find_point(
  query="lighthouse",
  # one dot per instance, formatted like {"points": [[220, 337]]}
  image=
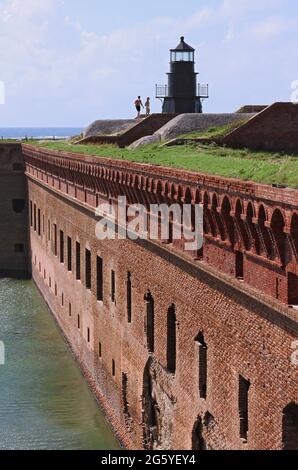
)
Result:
{"points": [[182, 94]]}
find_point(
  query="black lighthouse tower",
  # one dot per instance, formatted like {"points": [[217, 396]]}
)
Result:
{"points": [[182, 94]]}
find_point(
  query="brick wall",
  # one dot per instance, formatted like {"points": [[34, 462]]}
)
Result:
{"points": [[243, 337], [274, 129], [14, 212], [246, 333]]}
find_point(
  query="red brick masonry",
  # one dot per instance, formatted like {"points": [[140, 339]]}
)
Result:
{"points": [[189, 350]]}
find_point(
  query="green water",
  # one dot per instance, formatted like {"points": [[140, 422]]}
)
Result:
{"points": [[45, 402]]}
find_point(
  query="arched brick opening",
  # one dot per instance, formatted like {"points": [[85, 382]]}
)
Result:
{"points": [[202, 351], [149, 301], [208, 222], [220, 229], [228, 220], [290, 427], [294, 234], [254, 238], [171, 339], [198, 442], [244, 238], [264, 233], [277, 225]]}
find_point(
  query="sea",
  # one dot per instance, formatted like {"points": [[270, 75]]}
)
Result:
{"points": [[19, 133]]}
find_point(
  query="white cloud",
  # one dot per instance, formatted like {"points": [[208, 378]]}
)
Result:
{"points": [[270, 27], [57, 71]]}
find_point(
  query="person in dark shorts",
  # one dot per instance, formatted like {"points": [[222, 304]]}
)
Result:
{"points": [[138, 105]]}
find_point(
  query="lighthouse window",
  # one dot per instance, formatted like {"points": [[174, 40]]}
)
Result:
{"points": [[179, 56]]}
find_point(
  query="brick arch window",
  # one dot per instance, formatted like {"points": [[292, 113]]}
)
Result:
{"points": [[277, 225], [202, 362], [241, 226], [254, 237], [290, 427], [228, 220], [171, 339], [149, 321], [294, 234], [220, 229], [266, 240]]}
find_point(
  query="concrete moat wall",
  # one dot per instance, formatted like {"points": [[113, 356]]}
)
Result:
{"points": [[181, 354]]}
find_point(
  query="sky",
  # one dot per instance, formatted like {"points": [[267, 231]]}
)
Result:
{"points": [[69, 62]]}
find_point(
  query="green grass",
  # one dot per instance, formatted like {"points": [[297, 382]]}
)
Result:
{"points": [[262, 167], [213, 132]]}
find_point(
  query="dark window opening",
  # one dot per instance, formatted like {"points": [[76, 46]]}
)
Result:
{"points": [[99, 350], [88, 335], [113, 368], [61, 246], [78, 261], [202, 366], [69, 254], [62, 299], [49, 230], [198, 442], [31, 214], [17, 167], [79, 322], [34, 218], [277, 288], [129, 298], [88, 269], [69, 309], [171, 339], [56, 290], [18, 205], [149, 321], [39, 222], [99, 276], [290, 427], [113, 286], [55, 247], [292, 289], [19, 248], [43, 224], [239, 265], [244, 386]]}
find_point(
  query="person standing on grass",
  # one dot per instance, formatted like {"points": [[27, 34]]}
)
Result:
{"points": [[138, 105], [148, 106]]}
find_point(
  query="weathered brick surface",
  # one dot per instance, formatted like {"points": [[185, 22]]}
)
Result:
{"points": [[275, 129], [256, 220], [246, 332]]}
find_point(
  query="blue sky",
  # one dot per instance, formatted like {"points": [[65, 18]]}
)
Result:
{"points": [[66, 63]]}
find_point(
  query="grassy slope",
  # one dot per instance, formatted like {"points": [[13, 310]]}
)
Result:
{"points": [[215, 131], [263, 167]]}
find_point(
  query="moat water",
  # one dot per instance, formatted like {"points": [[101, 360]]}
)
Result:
{"points": [[45, 403]]}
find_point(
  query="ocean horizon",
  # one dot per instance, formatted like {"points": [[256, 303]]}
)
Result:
{"points": [[39, 132]]}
